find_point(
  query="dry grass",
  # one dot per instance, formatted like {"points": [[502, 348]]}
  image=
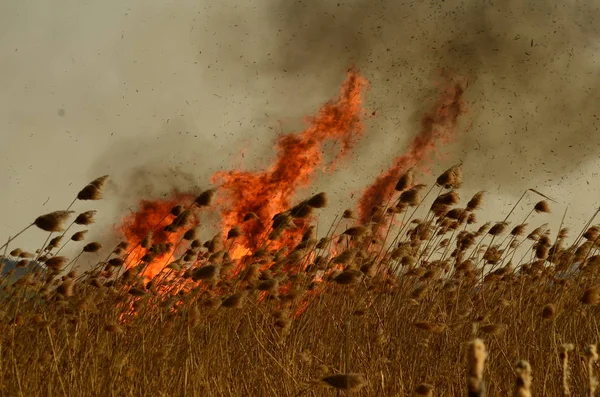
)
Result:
{"points": [[438, 306]]}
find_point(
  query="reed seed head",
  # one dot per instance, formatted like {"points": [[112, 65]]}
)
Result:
{"points": [[146, 242], [90, 192], [542, 207], [53, 222], [475, 202], [498, 228], [116, 262], [523, 382], [56, 262], [85, 218], [318, 200], [348, 214], [348, 277], [92, 247], [563, 354], [190, 234], [113, 328], [424, 389], [405, 181], [100, 181], [592, 233], [54, 242], [429, 326], [451, 178], [66, 287], [78, 236], [492, 329], [410, 197], [549, 311], [234, 232], [349, 382], [591, 355], [234, 301], [176, 210], [356, 231], [205, 273], [591, 296], [205, 198], [476, 356]]}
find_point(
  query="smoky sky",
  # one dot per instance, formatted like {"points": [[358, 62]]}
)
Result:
{"points": [[530, 66], [160, 95]]}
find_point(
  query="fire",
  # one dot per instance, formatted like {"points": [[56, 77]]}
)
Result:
{"points": [[249, 202], [238, 252], [150, 220], [270, 192], [264, 194], [439, 123]]}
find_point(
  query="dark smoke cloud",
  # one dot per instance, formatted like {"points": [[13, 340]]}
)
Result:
{"points": [[532, 92], [160, 95], [161, 163], [531, 66]]}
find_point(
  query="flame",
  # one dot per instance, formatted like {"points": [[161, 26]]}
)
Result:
{"points": [[152, 217], [269, 192], [438, 124], [264, 193], [238, 252]]}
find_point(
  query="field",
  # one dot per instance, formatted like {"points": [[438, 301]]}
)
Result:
{"points": [[292, 198], [433, 306]]}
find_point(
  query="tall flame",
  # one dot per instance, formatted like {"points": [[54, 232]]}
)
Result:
{"points": [[439, 123], [269, 192], [150, 219]]}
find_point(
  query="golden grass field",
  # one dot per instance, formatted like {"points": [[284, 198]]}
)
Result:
{"points": [[400, 306]]}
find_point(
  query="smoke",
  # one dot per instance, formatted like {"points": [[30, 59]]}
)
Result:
{"points": [[161, 95], [530, 67], [530, 64]]}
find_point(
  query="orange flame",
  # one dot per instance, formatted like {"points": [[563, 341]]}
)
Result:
{"points": [[263, 193], [439, 123], [152, 217], [269, 192]]}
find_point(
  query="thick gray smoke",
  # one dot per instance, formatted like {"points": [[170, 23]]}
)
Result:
{"points": [[161, 95], [530, 66]]}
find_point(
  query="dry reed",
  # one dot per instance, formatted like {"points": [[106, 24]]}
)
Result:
{"points": [[296, 313]]}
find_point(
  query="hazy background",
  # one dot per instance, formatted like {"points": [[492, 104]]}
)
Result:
{"points": [[161, 94]]}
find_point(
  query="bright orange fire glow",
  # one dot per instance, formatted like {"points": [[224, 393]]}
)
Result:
{"points": [[439, 123], [269, 192], [152, 217], [238, 252]]}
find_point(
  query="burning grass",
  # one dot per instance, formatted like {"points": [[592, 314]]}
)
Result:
{"points": [[386, 303], [371, 309]]}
